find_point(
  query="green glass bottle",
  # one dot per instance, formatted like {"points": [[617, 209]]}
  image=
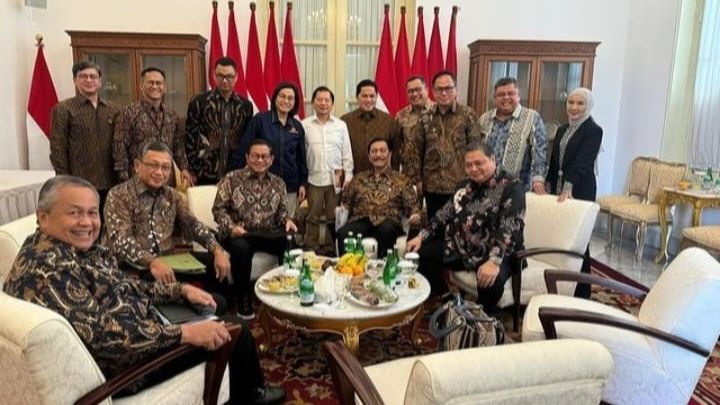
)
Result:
{"points": [[287, 259], [306, 286], [359, 248], [389, 270]]}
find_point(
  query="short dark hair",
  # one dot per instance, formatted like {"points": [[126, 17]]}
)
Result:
{"points": [[321, 89], [152, 69], [281, 86], [416, 77], [48, 191], [365, 83], [262, 142], [505, 81], [85, 64], [376, 140], [479, 146], [153, 145], [444, 73], [225, 61]]}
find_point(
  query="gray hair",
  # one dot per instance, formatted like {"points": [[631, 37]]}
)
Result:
{"points": [[48, 191], [153, 145], [479, 146]]}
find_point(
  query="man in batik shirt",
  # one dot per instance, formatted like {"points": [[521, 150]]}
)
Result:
{"points": [[378, 199], [407, 118]]}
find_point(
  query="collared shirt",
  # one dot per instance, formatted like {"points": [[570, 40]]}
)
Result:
{"points": [[139, 122], [404, 129], [251, 201], [482, 220], [109, 310], [436, 152], [388, 195], [328, 148], [530, 151], [364, 126], [139, 222], [81, 140], [214, 128], [288, 142]]}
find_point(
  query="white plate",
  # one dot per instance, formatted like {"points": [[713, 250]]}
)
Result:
{"points": [[264, 288], [382, 304]]}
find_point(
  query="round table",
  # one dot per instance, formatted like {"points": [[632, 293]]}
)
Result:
{"points": [[350, 321]]}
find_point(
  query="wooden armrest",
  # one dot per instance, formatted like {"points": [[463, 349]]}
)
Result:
{"points": [[553, 276], [217, 361], [550, 315], [525, 253], [349, 377]]}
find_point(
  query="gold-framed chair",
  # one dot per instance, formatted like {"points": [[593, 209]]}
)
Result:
{"points": [[705, 236]]}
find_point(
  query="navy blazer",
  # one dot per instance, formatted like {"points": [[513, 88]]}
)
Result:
{"points": [[579, 161]]}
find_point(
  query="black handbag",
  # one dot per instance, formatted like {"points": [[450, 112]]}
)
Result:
{"points": [[458, 324]]}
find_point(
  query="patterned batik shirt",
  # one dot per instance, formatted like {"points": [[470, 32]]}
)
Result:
{"points": [[139, 222], [404, 128], [364, 126], [436, 152], [482, 220], [518, 143], [139, 122], [213, 131], [109, 310], [251, 201], [81, 140], [387, 195]]}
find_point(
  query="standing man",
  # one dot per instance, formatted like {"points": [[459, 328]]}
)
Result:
{"points": [[149, 118], [407, 118], [436, 150], [81, 137], [516, 135], [366, 123], [330, 165], [216, 122]]}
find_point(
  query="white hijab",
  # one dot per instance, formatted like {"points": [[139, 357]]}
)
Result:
{"points": [[587, 95]]}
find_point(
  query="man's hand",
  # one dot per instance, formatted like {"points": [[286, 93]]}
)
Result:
{"points": [[197, 296], [222, 264], [290, 226], [538, 187], [208, 334], [487, 273], [189, 178], [414, 219], [237, 231], [414, 244], [301, 194], [162, 272]]}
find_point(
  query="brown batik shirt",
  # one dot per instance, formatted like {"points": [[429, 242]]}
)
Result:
{"points": [[81, 140], [109, 310], [251, 201], [364, 126], [436, 152], [405, 121], [388, 195], [139, 222], [139, 122]]}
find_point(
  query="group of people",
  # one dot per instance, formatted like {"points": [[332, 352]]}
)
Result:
{"points": [[470, 171]]}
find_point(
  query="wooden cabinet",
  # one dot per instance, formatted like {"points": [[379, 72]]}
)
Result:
{"points": [[122, 56], [546, 72]]}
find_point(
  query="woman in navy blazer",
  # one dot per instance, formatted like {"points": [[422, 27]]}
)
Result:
{"points": [[572, 162]]}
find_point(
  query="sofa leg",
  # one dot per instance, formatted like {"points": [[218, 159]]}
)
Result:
{"points": [[609, 231]]}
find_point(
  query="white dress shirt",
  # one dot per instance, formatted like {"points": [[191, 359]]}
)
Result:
{"points": [[328, 148]]}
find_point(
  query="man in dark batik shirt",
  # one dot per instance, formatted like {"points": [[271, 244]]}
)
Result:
{"points": [[483, 223], [216, 121], [60, 267]]}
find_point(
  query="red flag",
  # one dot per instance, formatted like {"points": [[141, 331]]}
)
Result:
{"points": [[272, 54], [435, 57], [385, 71], [255, 84], [419, 61], [451, 58], [288, 64], [216, 50], [233, 51], [41, 100], [402, 60]]}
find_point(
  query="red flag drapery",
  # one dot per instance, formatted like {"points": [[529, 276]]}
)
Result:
{"points": [[271, 68], [41, 100], [451, 58], [288, 63], [435, 56], [402, 61], [419, 60], [385, 71], [233, 51], [254, 76], [216, 50]]}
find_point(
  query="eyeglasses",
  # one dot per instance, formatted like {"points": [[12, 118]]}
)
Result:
{"points": [[255, 156], [88, 76], [227, 78], [445, 89], [154, 166]]}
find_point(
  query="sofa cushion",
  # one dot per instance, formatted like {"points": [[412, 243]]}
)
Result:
{"points": [[607, 203], [705, 235], [185, 388], [12, 236], [390, 379]]}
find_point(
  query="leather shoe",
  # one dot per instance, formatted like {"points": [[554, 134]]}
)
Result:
{"points": [[270, 394]]}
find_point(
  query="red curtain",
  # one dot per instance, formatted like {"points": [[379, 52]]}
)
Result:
{"points": [[435, 57], [272, 55], [254, 82], [216, 50], [419, 61], [289, 65], [451, 58], [385, 71], [402, 61], [234, 53]]}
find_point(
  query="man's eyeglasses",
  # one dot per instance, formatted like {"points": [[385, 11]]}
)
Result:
{"points": [[86, 76], [255, 156], [227, 78], [445, 89], [154, 166]]}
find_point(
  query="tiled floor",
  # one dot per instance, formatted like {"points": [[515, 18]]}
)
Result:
{"points": [[621, 259]]}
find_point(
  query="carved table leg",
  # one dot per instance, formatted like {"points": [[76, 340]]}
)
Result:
{"points": [[662, 207], [351, 338], [414, 338], [264, 318]]}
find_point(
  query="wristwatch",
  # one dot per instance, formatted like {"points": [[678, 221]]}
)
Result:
{"points": [[496, 259]]}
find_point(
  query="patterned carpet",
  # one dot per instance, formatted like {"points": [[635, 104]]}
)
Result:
{"points": [[296, 359]]}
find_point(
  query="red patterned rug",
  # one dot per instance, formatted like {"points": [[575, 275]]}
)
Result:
{"points": [[297, 362]]}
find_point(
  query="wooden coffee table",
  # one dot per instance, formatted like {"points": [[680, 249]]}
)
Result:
{"points": [[349, 321]]}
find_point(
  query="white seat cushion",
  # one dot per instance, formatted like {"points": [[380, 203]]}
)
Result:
{"points": [[184, 388], [12, 236], [390, 379]]}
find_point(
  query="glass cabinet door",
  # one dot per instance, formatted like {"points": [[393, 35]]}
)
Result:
{"points": [[116, 76], [175, 68], [557, 79], [519, 70]]}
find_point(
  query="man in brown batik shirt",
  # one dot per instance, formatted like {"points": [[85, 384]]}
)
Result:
{"points": [[407, 118]]}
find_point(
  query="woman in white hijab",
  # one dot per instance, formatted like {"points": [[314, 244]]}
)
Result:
{"points": [[572, 162]]}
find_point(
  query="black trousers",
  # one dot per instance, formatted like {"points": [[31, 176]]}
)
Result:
{"points": [[435, 202], [385, 232], [242, 249]]}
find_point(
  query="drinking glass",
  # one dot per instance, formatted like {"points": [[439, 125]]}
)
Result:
{"points": [[342, 288]]}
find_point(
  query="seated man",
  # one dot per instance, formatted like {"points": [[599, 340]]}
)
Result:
{"points": [[377, 199], [483, 224], [251, 212], [143, 213], [60, 267]]}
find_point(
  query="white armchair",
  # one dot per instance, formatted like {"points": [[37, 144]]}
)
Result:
{"points": [[12, 236], [660, 353]]}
